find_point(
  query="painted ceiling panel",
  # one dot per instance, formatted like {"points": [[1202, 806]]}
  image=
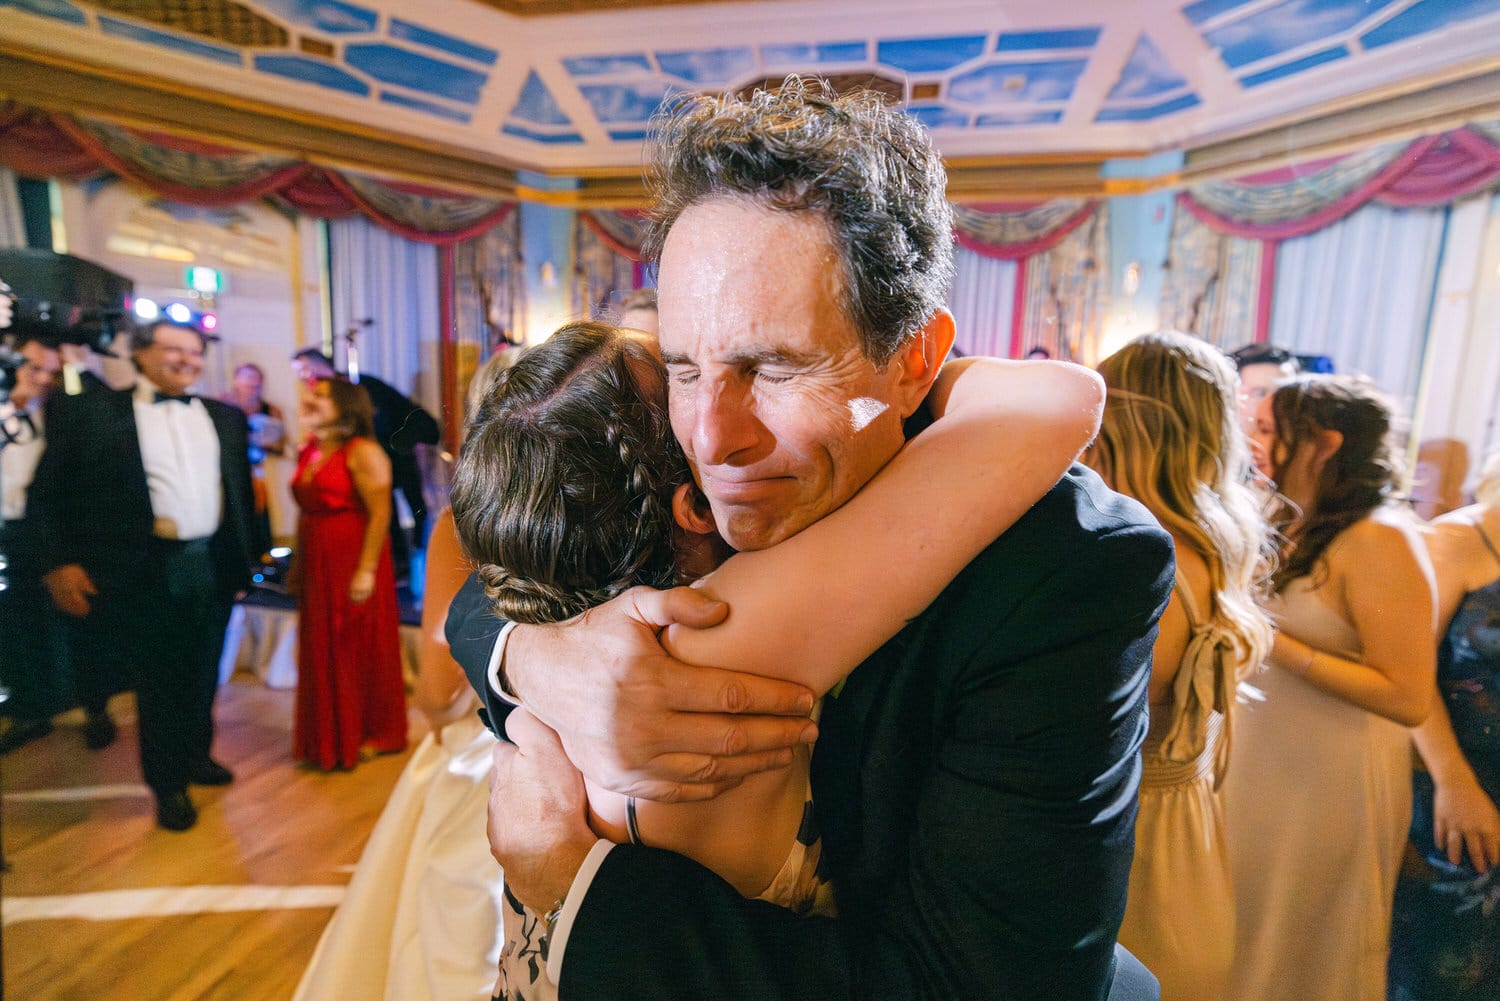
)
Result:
{"points": [[707, 67], [1007, 119], [578, 89], [537, 105], [930, 55], [1295, 66], [314, 71], [1017, 82], [1207, 10], [1034, 41], [389, 64], [625, 102], [425, 106], [408, 32], [322, 15], [59, 10], [815, 55], [1424, 17], [1147, 73], [116, 28], [632, 62], [1291, 24]]}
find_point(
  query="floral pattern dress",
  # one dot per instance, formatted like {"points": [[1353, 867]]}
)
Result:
{"points": [[1445, 938]]}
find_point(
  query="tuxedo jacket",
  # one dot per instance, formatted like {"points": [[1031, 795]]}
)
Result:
{"points": [[975, 784], [89, 502]]}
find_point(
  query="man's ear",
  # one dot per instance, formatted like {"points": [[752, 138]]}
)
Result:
{"points": [[691, 511], [921, 358]]}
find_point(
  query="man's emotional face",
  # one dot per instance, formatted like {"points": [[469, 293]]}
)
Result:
{"points": [[780, 412]]}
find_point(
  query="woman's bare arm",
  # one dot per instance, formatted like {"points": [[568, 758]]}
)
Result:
{"points": [[442, 691], [371, 472], [1005, 433], [1389, 595]]}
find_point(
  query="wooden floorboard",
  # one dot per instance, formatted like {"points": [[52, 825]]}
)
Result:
{"points": [[277, 826]]}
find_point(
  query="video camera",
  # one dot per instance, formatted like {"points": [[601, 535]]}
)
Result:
{"points": [[57, 299]]}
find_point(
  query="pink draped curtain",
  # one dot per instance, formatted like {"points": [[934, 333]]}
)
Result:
{"points": [[1293, 201], [36, 143], [1058, 247]]}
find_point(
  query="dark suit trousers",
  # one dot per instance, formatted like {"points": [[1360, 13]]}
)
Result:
{"points": [[166, 632], [33, 652]]}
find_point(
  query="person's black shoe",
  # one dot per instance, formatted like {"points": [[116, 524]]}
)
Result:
{"points": [[99, 731], [209, 772], [175, 812], [23, 731]]}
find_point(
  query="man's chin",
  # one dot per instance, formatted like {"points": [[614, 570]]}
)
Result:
{"points": [[749, 531]]}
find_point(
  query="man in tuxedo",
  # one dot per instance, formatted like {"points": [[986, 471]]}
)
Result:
{"points": [[145, 524], [975, 779]]}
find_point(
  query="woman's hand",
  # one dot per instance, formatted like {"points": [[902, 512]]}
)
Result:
{"points": [[362, 586], [1464, 818]]}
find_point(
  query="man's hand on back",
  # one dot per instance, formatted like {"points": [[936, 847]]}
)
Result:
{"points": [[642, 724]]}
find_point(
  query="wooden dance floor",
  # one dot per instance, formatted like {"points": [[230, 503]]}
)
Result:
{"points": [[100, 903]]}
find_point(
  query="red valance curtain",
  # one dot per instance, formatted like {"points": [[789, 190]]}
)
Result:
{"points": [[1294, 201], [42, 144]]}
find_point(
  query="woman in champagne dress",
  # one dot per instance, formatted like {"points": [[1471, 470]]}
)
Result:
{"points": [[1172, 439], [1320, 797]]}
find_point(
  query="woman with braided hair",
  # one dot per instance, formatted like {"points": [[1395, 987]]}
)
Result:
{"points": [[571, 488], [1320, 797]]}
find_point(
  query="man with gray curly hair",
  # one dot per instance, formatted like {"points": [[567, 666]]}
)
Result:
{"points": [[975, 779]]}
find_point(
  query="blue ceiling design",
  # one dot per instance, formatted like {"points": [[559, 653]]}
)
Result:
{"points": [[1279, 29], [1424, 17], [312, 71], [389, 64], [1042, 41], [707, 67], [58, 10], [814, 55], [967, 68], [116, 28], [630, 62], [329, 16], [408, 32], [1017, 82], [930, 55]]}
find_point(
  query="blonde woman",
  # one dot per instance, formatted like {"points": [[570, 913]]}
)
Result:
{"points": [[1172, 439], [1320, 798]]}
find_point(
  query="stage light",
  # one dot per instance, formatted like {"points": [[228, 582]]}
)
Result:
{"points": [[209, 322], [178, 313], [146, 309], [281, 552]]}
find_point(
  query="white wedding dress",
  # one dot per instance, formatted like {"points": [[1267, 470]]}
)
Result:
{"points": [[421, 918]]}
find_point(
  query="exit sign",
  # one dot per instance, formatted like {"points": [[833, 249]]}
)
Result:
{"points": [[201, 279]]}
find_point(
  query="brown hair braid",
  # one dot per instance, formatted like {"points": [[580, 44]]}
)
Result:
{"points": [[562, 493]]}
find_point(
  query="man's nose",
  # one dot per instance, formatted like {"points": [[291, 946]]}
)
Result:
{"points": [[726, 424]]}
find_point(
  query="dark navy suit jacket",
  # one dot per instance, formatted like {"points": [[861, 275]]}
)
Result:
{"points": [[975, 784]]}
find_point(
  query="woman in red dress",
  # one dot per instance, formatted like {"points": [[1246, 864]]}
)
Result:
{"points": [[350, 695]]}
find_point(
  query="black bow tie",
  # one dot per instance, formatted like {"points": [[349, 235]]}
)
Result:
{"points": [[161, 397]]}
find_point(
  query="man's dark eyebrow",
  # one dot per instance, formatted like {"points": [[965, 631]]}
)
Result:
{"points": [[750, 357]]}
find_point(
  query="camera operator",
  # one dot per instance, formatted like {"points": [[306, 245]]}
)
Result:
{"points": [[31, 664]]}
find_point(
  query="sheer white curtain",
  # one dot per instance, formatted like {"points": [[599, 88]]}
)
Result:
{"points": [[982, 299], [12, 222], [392, 282], [1359, 291]]}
